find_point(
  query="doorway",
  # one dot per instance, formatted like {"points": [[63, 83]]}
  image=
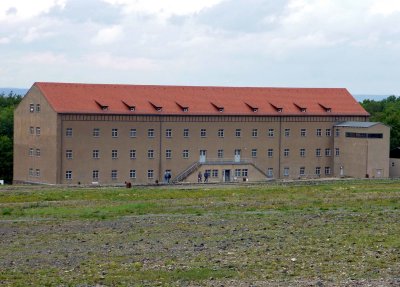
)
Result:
{"points": [[226, 175]]}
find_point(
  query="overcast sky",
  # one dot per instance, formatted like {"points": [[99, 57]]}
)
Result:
{"points": [[281, 43]]}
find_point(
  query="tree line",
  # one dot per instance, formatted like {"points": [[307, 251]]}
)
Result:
{"points": [[386, 111]]}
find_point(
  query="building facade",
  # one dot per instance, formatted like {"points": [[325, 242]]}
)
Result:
{"points": [[111, 134]]}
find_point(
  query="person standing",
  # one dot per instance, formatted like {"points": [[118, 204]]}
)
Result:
{"points": [[199, 177]]}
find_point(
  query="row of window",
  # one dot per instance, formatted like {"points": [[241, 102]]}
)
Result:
{"points": [[34, 152], [185, 153], [302, 171], [34, 108], [34, 173], [203, 133], [33, 130]]}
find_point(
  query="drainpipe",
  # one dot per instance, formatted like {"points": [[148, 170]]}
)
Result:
{"points": [[160, 151]]}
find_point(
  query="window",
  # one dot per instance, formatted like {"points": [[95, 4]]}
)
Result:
{"points": [[150, 154], [303, 132], [31, 130], [38, 152], [95, 175], [68, 174], [68, 132], [302, 171], [203, 133], [132, 154], [393, 164], [185, 133], [220, 153], [328, 152], [168, 153], [38, 108], [328, 132], [37, 172], [254, 133], [150, 133], [287, 132], [270, 152], [327, 170], [132, 173], [96, 132], [220, 133], [168, 133], [132, 133], [238, 133], [245, 172], [337, 151], [285, 171], [337, 132], [254, 152], [238, 172], [150, 173], [318, 152], [31, 150], [38, 131], [114, 154], [271, 132], [31, 108], [214, 173], [302, 152], [114, 133], [68, 154], [114, 174], [319, 132], [270, 172], [95, 153], [185, 153], [31, 172], [286, 152], [318, 171]]}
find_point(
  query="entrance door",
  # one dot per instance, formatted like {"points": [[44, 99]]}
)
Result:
{"points": [[203, 155], [226, 175], [237, 155]]}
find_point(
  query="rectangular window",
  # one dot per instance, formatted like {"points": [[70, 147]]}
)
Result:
{"points": [[132, 154], [238, 133], [327, 170], [271, 133], [287, 132], [214, 173], [168, 133], [38, 131], [319, 132], [302, 152], [254, 152], [150, 154], [31, 108], [220, 153], [185, 133], [328, 132], [132, 173], [132, 133], [150, 133], [95, 175], [68, 154], [114, 133], [302, 171], [95, 153], [114, 154], [337, 132], [150, 174], [286, 171], [31, 151], [38, 152], [270, 172], [328, 152], [303, 132], [238, 172], [31, 172], [31, 130], [37, 172], [220, 133], [245, 172], [270, 152], [114, 174], [286, 152], [96, 132], [68, 132], [318, 152], [168, 153], [337, 151], [38, 108], [318, 171], [185, 153], [68, 174], [203, 133], [254, 133]]}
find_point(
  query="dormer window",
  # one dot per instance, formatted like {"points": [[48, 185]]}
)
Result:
{"points": [[328, 110], [131, 107], [252, 108], [156, 107], [302, 108], [278, 108], [103, 107], [219, 108], [255, 110], [184, 108]]}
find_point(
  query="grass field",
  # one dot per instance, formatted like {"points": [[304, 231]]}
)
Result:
{"points": [[326, 234]]}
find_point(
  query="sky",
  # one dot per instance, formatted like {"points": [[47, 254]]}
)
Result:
{"points": [[267, 43]]}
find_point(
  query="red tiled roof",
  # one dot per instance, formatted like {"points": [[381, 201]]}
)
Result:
{"points": [[191, 100]]}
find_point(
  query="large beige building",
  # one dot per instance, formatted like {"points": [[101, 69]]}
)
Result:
{"points": [[111, 134]]}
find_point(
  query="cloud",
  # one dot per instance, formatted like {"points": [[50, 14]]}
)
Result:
{"points": [[108, 61], [108, 35], [17, 10]]}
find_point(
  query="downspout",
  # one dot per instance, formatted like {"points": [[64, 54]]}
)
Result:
{"points": [[159, 152], [280, 147], [60, 171]]}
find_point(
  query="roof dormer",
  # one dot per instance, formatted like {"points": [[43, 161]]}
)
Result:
{"points": [[277, 107], [184, 108], [102, 106], [302, 108], [158, 108], [252, 108], [219, 107], [130, 106], [327, 108]]}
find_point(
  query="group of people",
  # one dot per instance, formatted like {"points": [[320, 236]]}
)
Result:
{"points": [[200, 177]]}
